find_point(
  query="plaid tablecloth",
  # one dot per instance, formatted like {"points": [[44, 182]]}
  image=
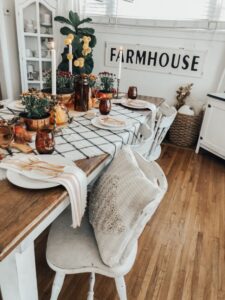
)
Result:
{"points": [[81, 139]]}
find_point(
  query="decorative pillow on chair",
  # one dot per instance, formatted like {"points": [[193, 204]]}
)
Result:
{"points": [[116, 204]]}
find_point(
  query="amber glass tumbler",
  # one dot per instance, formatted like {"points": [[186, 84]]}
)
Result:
{"points": [[45, 142], [104, 106], [132, 92]]}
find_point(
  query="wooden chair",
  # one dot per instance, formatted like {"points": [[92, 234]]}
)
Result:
{"points": [[71, 251]]}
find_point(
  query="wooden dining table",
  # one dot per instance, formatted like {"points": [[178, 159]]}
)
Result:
{"points": [[26, 213]]}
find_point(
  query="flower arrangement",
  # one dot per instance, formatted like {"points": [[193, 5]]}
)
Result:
{"points": [[81, 40], [182, 93], [107, 81], [36, 105], [64, 80], [92, 80]]}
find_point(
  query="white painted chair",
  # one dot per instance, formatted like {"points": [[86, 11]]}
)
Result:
{"points": [[145, 136], [71, 251], [153, 133], [165, 119]]}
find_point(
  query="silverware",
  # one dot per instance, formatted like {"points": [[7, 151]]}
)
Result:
{"points": [[9, 151]]}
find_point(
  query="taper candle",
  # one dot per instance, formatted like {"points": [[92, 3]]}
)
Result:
{"points": [[53, 56], [70, 60], [120, 62]]}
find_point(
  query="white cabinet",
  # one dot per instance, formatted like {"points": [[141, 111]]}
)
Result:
{"points": [[35, 28], [212, 134]]}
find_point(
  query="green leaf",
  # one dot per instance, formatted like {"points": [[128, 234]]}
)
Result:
{"points": [[89, 65], [75, 42], [74, 18], [87, 20], [63, 20], [86, 31], [93, 41], [66, 30]]}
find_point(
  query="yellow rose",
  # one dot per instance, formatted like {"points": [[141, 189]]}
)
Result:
{"points": [[81, 60], [76, 63], [85, 38], [89, 39], [84, 52], [81, 64], [85, 46], [88, 50], [69, 56], [70, 36], [67, 41]]}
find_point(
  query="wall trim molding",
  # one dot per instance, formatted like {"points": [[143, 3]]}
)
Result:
{"points": [[7, 78]]}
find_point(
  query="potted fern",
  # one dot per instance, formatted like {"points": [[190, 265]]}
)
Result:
{"points": [[36, 113]]}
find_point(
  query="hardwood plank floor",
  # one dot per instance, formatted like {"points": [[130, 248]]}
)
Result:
{"points": [[181, 252]]}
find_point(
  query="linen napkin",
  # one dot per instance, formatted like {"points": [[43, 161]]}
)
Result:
{"points": [[72, 178]]}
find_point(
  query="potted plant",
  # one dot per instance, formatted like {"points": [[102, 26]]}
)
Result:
{"points": [[36, 113], [106, 85], [64, 84], [82, 40]]}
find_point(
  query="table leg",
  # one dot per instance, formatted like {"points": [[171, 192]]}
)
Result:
{"points": [[18, 276]]}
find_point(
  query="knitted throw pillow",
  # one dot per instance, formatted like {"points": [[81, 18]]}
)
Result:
{"points": [[116, 203]]}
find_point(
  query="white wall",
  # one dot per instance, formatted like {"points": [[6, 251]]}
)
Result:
{"points": [[161, 84], [148, 83], [12, 48]]}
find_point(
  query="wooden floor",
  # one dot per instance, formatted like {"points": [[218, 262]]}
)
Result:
{"points": [[182, 250]]}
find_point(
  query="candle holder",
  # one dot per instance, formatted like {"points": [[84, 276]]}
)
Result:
{"points": [[54, 102], [118, 89]]}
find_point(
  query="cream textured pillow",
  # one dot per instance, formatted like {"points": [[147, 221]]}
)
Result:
{"points": [[116, 203]]}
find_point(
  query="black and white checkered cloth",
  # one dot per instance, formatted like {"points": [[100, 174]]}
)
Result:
{"points": [[81, 139]]}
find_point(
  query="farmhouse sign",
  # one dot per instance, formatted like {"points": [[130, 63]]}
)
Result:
{"points": [[156, 59]]}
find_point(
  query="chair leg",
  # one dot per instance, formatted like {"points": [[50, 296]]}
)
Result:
{"points": [[91, 287], [57, 285], [121, 287]]}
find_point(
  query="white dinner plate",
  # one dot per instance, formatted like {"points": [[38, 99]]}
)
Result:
{"points": [[16, 106], [136, 104], [112, 121], [97, 123], [27, 183], [34, 180]]}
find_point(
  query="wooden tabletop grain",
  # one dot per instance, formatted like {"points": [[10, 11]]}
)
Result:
{"points": [[21, 210]]}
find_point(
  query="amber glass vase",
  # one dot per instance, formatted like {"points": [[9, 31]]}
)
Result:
{"points": [[45, 142], [81, 97]]}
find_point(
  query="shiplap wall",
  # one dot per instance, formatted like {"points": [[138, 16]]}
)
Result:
{"points": [[148, 83], [162, 84]]}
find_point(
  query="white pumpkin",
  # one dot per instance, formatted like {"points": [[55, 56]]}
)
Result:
{"points": [[186, 110]]}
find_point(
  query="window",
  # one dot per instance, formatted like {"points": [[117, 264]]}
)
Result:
{"points": [[178, 13]]}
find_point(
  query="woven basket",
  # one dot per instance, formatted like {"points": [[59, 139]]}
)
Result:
{"points": [[185, 130]]}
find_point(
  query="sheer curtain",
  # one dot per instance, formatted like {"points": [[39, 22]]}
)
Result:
{"points": [[63, 8], [184, 13]]}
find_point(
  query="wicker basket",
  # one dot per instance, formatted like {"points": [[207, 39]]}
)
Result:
{"points": [[185, 130]]}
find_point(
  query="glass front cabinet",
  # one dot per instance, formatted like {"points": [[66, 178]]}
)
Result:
{"points": [[35, 28]]}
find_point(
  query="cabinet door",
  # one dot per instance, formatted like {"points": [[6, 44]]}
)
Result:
{"points": [[213, 129], [35, 28]]}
